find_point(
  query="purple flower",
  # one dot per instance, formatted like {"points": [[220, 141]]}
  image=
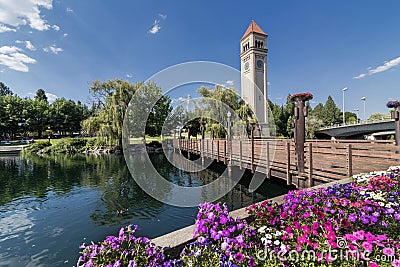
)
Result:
{"points": [[239, 257], [352, 217]]}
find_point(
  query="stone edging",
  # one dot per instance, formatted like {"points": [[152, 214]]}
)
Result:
{"points": [[175, 241]]}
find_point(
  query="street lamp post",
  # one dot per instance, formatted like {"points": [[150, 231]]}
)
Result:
{"points": [[229, 114], [363, 99], [344, 118], [357, 113]]}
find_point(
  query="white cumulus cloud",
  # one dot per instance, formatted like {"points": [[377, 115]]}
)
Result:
{"points": [[11, 57], [386, 66], [55, 27], [24, 12], [230, 82], [51, 97], [28, 44], [156, 27], [53, 49], [4, 28]]}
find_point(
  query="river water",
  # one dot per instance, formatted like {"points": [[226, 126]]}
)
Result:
{"points": [[49, 206]]}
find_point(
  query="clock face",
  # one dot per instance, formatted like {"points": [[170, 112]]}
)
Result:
{"points": [[246, 65], [259, 64]]}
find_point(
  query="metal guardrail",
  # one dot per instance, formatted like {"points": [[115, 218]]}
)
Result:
{"points": [[354, 124]]}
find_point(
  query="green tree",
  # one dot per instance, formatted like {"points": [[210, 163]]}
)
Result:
{"points": [[13, 110], [350, 117], [331, 113], [65, 116], [41, 95], [110, 103], [37, 119], [218, 111], [5, 90], [379, 116]]}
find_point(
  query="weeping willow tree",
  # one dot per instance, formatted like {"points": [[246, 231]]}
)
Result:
{"points": [[111, 100], [225, 99]]}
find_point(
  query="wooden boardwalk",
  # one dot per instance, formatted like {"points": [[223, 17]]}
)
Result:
{"points": [[325, 160]]}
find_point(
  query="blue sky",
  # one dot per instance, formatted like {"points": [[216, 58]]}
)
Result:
{"points": [[316, 46]]}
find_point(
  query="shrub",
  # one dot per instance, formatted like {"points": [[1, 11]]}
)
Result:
{"points": [[69, 146], [37, 146]]}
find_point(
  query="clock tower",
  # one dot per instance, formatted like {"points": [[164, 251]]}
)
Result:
{"points": [[253, 57]]}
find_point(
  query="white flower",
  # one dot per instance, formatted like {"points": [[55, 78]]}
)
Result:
{"points": [[277, 242], [262, 229], [278, 233], [268, 236]]}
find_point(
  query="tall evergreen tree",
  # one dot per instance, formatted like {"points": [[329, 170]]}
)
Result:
{"points": [[5, 90], [41, 95]]}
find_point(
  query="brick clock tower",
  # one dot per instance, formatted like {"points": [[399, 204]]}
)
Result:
{"points": [[254, 86]]}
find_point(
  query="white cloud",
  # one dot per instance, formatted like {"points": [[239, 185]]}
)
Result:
{"points": [[11, 57], [156, 27], [4, 28], [69, 10], [24, 12], [230, 82], [129, 75], [51, 97], [53, 49], [386, 66], [56, 28], [163, 16], [28, 44], [65, 35]]}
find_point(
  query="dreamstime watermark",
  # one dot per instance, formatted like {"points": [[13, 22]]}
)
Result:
{"points": [[140, 108], [342, 253]]}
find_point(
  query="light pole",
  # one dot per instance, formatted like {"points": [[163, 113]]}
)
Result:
{"points": [[344, 118], [229, 114], [357, 110], [363, 99]]}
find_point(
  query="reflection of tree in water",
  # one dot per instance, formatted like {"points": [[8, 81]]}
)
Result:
{"points": [[122, 197]]}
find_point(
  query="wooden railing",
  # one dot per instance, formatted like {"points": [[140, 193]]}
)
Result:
{"points": [[325, 160]]}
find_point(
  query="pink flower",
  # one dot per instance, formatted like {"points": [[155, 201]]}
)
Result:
{"points": [[328, 257], [367, 246], [396, 263], [370, 237], [359, 235], [388, 251], [373, 264]]}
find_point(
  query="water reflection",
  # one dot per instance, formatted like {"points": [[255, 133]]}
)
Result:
{"points": [[51, 205]]}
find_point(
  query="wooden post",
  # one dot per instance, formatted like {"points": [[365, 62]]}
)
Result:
{"points": [[300, 112], [212, 149], [349, 161], [310, 166], [240, 153], [225, 153], [288, 174], [217, 150]]}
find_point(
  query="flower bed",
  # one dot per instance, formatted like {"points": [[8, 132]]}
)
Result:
{"points": [[342, 225]]}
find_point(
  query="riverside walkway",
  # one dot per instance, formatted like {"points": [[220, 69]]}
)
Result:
{"points": [[324, 161]]}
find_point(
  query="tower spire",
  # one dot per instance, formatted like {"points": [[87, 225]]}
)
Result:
{"points": [[253, 28]]}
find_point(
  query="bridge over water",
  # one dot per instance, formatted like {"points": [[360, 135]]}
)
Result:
{"points": [[357, 130], [324, 161]]}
